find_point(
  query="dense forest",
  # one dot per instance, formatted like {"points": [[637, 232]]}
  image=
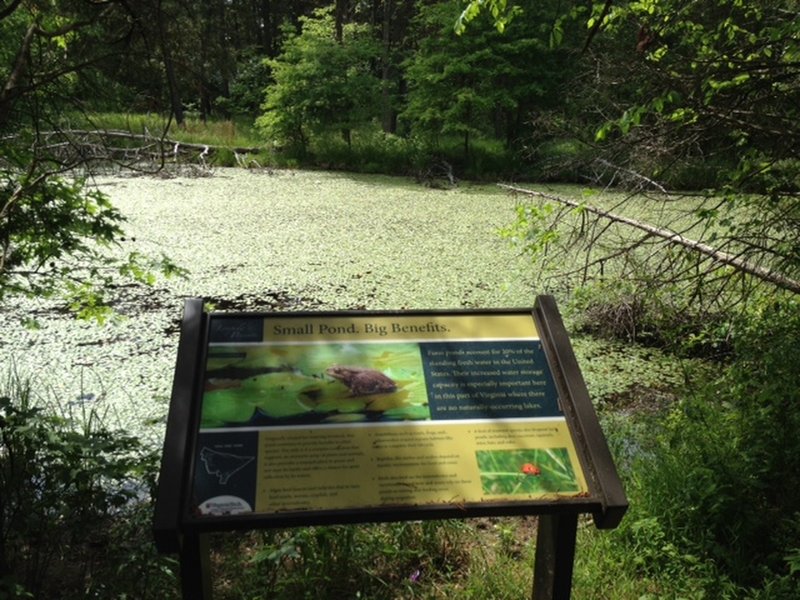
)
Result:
{"points": [[661, 95], [691, 95], [688, 111]]}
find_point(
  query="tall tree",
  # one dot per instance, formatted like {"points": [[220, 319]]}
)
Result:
{"points": [[53, 228], [165, 45], [392, 20], [472, 85], [321, 84]]}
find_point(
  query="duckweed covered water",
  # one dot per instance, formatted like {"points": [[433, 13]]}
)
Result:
{"points": [[288, 240], [252, 240]]}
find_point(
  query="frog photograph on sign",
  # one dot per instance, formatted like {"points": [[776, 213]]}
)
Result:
{"points": [[284, 384], [362, 381]]}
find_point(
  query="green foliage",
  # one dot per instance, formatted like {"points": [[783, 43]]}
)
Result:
{"points": [[636, 562], [718, 483], [621, 376], [246, 92], [54, 237], [557, 158], [45, 219], [371, 150], [483, 84], [224, 158], [321, 84], [719, 82], [55, 231], [72, 508], [531, 230], [502, 14], [621, 311], [46, 222]]}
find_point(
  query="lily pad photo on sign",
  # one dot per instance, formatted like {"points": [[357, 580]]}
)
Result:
{"points": [[264, 385]]}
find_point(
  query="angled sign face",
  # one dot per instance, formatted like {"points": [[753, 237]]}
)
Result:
{"points": [[284, 419], [312, 413], [295, 419]]}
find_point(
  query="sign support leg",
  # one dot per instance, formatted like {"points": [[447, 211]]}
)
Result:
{"points": [[195, 567], [555, 555]]}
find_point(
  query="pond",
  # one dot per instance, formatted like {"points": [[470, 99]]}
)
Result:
{"points": [[265, 240]]}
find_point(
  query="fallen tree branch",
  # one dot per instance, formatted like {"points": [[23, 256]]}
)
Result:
{"points": [[117, 134], [723, 258]]}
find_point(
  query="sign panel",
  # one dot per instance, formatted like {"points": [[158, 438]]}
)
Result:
{"points": [[314, 413]]}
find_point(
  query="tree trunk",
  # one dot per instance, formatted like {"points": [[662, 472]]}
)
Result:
{"points": [[11, 88], [340, 13], [388, 120], [169, 69], [267, 30]]}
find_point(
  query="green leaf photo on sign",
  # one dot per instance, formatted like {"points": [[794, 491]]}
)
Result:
{"points": [[226, 406]]}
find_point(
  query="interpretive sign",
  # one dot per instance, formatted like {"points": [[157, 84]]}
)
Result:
{"points": [[282, 419], [328, 413]]}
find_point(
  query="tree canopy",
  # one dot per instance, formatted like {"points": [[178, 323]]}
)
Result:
{"points": [[680, 96], [699, 96], [321, 83], [54, 228]]}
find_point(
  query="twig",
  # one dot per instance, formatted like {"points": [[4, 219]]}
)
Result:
{"points": [[633, 174]]}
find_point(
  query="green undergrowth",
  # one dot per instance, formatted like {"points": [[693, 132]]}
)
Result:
{"points": [[441, 164], [75, 507], [712, 478], [369, 149], [221, 133]]}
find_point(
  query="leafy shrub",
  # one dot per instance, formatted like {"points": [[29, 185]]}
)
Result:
{"points": [[74, 510], [720, 480]]}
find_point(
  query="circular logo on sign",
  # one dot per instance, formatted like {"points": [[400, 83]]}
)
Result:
{"points": [[225, 505]]}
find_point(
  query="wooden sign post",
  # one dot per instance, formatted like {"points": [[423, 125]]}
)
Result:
{"points": [[307, 418]]}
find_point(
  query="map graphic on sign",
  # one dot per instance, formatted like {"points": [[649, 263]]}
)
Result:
{"points": [[223, 464]]}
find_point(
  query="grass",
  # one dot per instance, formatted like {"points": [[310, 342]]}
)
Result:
{"points": [[371, 150], [482, 559], [227, 133]]}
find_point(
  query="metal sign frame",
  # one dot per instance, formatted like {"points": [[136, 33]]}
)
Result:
{"points": [[177, 530]]}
